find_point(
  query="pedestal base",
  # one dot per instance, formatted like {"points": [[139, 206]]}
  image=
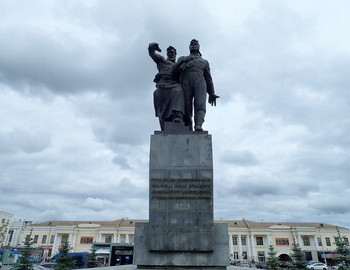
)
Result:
{"points": [[176, 260]]}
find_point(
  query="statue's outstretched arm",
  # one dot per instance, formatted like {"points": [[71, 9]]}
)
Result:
{"points": [[210, 86], [152, 48]]}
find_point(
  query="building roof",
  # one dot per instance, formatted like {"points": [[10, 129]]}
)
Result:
{"points": [[244, 223], [124, 222]]}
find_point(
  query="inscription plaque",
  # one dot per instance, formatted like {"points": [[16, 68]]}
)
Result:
{"points": [[180, 189], [181, 193]]}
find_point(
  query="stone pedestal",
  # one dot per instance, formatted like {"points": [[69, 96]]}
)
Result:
{"points": [[181, 233]]}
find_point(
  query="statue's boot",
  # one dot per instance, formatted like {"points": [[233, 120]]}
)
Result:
{"points": [[177, 116], [198, 120]]}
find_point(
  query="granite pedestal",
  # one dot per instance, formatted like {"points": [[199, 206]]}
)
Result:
{"points": [[181, 233]]}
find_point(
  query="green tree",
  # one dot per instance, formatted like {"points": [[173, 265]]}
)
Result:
{"points": [[272, 261], [24, 262], [64, 262], [92, 260], [343, 251], [298, 256]]}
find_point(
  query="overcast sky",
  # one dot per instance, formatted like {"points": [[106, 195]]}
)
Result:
{"points": [[76, 109]]}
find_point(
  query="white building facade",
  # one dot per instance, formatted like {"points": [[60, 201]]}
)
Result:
{"points": [[248, 240], [5, 221]]}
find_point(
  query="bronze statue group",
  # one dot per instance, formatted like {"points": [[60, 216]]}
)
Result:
{"points": [[182, 86]]}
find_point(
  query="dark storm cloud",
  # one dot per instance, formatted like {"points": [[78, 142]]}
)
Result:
{"points": [[241, 158], [110, 59]]}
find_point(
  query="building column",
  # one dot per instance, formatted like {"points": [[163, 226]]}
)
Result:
{"points": [[269, 242], [55, 245], [299, 240], [253, 245], [115, 238], [72, 239], [239, 242], [249, 249], [99, 237], [316, 243], [230, 244]]}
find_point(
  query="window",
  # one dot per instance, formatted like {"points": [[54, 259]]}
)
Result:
{"points": [[259, 240], [328, 241], [86, 240], [36, 237], [64, 238], [131, 238], [122, 238], [108, 238], [244, 255], [234, 240], [10, 236], [52, 239], [43, 240], [282, 242], [319, 241], [235, 255], [244, 240], [308, 255], [261, 256], [306, 241]]}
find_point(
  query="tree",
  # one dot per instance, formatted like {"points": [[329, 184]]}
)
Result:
{"points": [[24, 262], [92, 260], [64, 262], [342, 250], [298, 256], [272, 261]]}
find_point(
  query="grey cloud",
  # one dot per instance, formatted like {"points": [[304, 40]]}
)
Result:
{"points": [[330, 206], [255, 188], [258, 185], [277, 58], [241, 158], [122, 162], [23, 140], [96, 204]]}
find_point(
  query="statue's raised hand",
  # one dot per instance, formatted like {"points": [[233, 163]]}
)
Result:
{"points": [[154, 46]]}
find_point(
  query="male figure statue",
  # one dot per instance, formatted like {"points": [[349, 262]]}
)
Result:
{"points": [[168, 97], [196, 81]]}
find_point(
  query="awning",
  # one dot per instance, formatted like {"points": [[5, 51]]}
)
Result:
{"points": [[103, 251]]}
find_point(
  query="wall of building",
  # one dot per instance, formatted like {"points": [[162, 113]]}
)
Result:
{"points": [[5, 221], [248, 241]]}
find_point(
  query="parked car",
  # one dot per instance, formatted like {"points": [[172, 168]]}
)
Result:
{"points": [[339, 265], [79, 258], [47, 265], [285, 265], [35, 267], [317, 266], [261, 265], [245, 264]]}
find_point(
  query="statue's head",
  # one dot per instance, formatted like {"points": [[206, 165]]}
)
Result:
{"points": [[194, 46], [171, 53]]}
